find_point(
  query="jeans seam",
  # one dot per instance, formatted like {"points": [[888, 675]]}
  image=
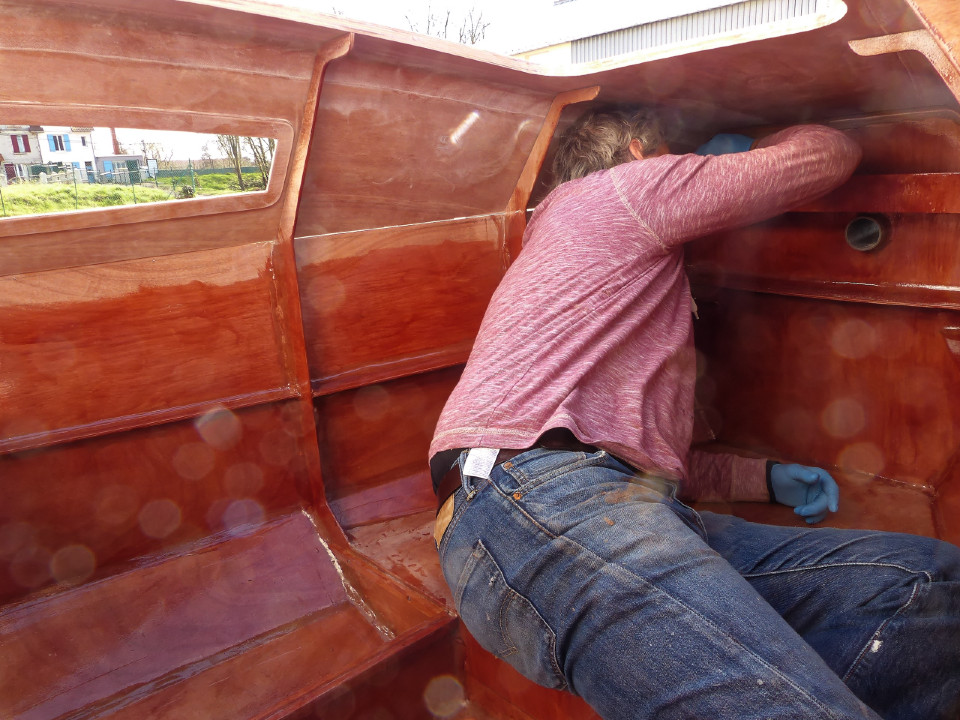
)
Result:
{"points": [[883, 626], [826, 566], [526, 483]]}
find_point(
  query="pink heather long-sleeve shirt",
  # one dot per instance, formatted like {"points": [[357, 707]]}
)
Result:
{"points": [[591, 330]]}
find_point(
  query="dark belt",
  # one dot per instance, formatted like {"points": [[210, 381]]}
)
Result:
{"points": [[556, 439]]}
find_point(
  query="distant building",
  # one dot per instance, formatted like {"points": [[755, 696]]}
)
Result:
{"points": [[68, 146], [583, 31], [19, 149]]}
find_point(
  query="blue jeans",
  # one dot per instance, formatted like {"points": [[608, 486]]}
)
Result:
{"points": [[587, 578]]}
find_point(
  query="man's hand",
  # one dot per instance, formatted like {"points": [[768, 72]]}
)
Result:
{"points": [[725, 143], [809, 490]]}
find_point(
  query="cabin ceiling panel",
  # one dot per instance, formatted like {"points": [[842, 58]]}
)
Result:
{"points": [[384, 303], [860, 387], [397, 145], [151, 32], [92, 349]]}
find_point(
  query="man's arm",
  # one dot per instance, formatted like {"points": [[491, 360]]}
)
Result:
{"points": [[683, 197], [723, 477]]}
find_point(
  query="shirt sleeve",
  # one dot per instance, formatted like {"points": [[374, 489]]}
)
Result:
{"points": [[723, 477], [683, 197]]}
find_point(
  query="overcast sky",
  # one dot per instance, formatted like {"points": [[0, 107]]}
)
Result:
{"points": [[514, 24]]}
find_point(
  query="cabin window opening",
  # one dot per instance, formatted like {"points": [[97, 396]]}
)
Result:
{"points": [[86, 168]]}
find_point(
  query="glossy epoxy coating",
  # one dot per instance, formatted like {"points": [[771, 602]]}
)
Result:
{"points": [[202, 407]]}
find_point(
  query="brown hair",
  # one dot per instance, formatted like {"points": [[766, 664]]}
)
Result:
{"points": [[600, 139]]}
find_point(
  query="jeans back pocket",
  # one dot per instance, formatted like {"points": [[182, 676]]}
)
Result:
{"points": [[506, 623]]}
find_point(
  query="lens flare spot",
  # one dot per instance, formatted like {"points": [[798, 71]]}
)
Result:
{"points": [[843, 418], [863, 456], [30, 568], [853, 339], [116, 504], [15, 536], [73, 564], [219, 428], [242, 514], [159, 518], [444, 696], [194, 461]]}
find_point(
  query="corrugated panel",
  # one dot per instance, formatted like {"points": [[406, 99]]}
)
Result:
{"points": [[688, 27]]}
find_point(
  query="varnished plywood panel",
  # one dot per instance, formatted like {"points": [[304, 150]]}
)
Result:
{"points": [[86, 350], [807, 254], [373, 446], [948, 512], [68, 512], [397, 145], [385, 303], [866, 502], [855, 386], [221, 608]]}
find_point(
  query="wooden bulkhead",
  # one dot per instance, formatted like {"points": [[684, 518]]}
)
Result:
{"points": [[215, 412]]}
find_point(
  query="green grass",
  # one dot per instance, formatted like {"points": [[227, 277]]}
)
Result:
{"points": [[34, 199], [215, 183]]}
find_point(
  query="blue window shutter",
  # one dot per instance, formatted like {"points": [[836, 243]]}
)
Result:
{"points": [[66, 143], [53, 143]]}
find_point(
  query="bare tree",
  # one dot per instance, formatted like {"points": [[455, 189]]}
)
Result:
{"points": [[433, 25], [473, 29], [157, 151], [232, 149], [262, 150]]}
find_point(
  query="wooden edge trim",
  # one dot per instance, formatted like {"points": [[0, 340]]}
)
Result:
{"points": [[922, 42], [528, 176], [394, 370], [929, 193], [288, 290], [901, 295], [293, 343], [139, 420]]}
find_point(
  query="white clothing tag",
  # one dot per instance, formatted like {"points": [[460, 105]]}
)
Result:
{"points": [[480, 462]]}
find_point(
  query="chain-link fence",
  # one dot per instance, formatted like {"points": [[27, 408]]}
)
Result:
{"points": [[56, 187]]}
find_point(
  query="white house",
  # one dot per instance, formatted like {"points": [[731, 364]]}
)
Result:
{"points": [[19, 149], [68, 146]]}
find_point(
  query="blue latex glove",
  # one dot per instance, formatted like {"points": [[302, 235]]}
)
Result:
{"points": [[810, 491], [725, 143]]}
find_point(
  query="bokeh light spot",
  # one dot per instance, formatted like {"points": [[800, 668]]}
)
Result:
{"points": [[30, 568], [219, 428], [863, 456], [853, 339], [159, 518], [73, 564], [15, 536], [444, 696], [242, 513], [116, 504], [843, 418], [194, 461]]}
